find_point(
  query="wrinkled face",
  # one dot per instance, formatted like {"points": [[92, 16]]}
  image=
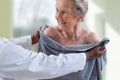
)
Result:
{"points": [[65, 16]]}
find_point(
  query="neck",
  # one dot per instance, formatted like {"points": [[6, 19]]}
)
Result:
{"points": [[70, 33]]}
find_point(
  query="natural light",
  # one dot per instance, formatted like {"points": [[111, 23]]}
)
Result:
{"points": [[113, 65], [94, 21]]}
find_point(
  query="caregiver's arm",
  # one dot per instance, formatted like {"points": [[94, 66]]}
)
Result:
{"points": [[17, 62], [24, 41]]}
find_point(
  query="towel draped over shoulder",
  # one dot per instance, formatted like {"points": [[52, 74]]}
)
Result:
{"points": [[93, 67]]}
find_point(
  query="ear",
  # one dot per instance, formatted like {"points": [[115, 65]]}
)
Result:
{"points": [[81, 18]]}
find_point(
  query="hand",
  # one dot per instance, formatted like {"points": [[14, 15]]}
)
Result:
{"points": [[35, 38], [95, 52]]}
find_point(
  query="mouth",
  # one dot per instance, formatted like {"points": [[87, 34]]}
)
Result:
{"points": [[62, 23]]}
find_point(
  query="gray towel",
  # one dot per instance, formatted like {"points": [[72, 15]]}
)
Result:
{"points": [[93, 67]]}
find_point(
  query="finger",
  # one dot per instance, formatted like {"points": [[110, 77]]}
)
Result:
{"points": [[101, 47]]}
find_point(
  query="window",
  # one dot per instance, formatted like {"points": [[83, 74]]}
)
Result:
{"points": [[28, 15]]}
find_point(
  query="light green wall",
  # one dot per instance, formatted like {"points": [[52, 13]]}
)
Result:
{"points": [[113, 14], [100, 25], [100, 18], [112, 10], [5, 18]]}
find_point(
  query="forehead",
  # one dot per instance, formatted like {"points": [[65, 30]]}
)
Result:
{"points": [[66, 4]]}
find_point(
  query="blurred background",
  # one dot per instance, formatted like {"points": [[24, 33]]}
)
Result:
{"points": [[23, 17]]}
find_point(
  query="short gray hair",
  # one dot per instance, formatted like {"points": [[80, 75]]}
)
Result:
{"points": [[80, 7]]}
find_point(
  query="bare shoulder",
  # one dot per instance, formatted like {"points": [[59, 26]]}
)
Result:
{"points": [[91, 37], [50, 31]]}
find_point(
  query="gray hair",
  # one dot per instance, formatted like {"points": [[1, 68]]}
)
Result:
{"points": [[80, 7]]}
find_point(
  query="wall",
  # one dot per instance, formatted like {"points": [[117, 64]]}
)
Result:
{"points": [[113, 14], [5, 18], [112, 11]]}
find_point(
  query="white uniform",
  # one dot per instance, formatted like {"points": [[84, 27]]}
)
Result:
{"points": [[19, 63]]}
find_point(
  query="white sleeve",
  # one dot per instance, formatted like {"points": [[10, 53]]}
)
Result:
{"points": [[24, 41], [17, 62]]}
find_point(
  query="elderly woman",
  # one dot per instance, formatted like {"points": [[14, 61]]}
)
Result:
{"points": [[69, 14], [68, 36]]}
